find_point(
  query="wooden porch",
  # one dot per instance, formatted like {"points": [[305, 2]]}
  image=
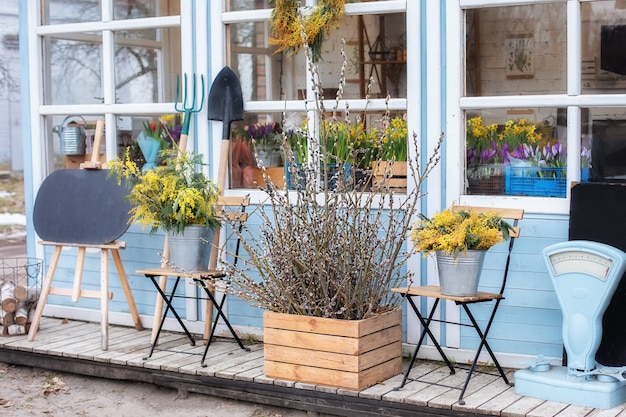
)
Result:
{"points": [[74, 346]]}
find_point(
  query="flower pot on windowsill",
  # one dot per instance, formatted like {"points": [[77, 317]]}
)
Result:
{"points": [[349, 354], [536, 181], [486, 179], [395, 179]]}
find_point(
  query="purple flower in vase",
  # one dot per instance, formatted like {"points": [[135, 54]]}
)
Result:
{"points": [[487, 155], [471, 156]]}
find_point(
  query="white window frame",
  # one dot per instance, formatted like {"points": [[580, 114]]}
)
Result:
{"points": [[42, 148], [573, 100], [279, 106]]}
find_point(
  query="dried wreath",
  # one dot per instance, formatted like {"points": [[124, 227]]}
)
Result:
{"points": [[290, 29]]}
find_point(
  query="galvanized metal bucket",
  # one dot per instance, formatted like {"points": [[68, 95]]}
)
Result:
{"points": [[72, 137], [460, 276], [189, 251]]}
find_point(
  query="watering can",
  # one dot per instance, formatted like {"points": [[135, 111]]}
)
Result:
{"points": [[72, 137]]}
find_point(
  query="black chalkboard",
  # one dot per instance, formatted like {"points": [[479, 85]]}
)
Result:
{"points": [[598, 213], [81, 206]]}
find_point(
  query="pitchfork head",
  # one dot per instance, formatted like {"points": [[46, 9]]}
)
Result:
{"points": [[188, 106]]}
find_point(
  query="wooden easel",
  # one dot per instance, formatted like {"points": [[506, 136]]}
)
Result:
{"points": [[76, 292]]}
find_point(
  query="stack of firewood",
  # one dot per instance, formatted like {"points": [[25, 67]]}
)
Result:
{"points": [[18, 305]]}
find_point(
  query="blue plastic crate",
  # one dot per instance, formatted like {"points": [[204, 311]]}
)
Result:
{"points": [[536, 181]]}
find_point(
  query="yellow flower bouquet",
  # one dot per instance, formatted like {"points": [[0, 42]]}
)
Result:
{"points": [[172, 195], [454, 232]]}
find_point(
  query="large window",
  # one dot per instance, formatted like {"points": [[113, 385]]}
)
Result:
{"points": [[536, 107], [277, 86], [109, 59]]}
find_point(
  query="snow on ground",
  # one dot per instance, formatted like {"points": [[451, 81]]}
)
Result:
{"points": [[12, 219]]}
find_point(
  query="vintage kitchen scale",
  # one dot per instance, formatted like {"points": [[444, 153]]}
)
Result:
{"points": [[585, 275]]}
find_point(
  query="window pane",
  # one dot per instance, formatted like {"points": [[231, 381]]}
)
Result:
{"points": [[146, 64], [263, 74], [136, 9], [75, 71], [603, 47], [516, 50], [56, 12], [516, 152], [266, 130], [608, 144], [238, 5]]}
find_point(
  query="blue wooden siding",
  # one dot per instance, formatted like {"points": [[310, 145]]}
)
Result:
{"points": [[529, 319]]}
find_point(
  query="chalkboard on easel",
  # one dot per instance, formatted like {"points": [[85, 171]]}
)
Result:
{"points": [[598, 213], [81, 206]]}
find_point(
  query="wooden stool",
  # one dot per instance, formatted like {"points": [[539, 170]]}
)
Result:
{"points": [[76, 291]]}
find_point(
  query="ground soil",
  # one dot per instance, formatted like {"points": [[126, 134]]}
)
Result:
{"points": [[36, 392]]}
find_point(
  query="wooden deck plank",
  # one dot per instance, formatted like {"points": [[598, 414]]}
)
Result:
{"points": [[161, 358], [190, 357], [134, 356], [575, 411], [115, 334], [547, 408], [255, 370], [55, 345], [442, 382], [486, 395], [502, 400], [121, 340], [613, 412], [51, 333], [231, 372], [87, 342], [522, 407], [215, 354], [450, 399], [215, 366], [165, 350]]}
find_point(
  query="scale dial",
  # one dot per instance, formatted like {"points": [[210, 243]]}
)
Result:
{"points": [[579, 261]]}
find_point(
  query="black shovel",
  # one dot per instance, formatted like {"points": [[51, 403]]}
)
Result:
{"points": [[225, 104]]}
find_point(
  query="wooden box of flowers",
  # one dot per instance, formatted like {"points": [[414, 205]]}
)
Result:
{"points": [[350, 354], [518, 158]]}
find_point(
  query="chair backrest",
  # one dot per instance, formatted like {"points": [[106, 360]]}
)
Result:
{"points": [[232, 211], [507, 214]]}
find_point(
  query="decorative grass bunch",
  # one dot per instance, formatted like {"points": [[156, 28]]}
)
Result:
{"points": [[395, 139], [327, 250], [456, 232], [171, 196]]}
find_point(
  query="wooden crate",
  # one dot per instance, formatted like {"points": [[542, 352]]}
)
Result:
{"points": [[350, 354], [277, 174], [397, 180]]}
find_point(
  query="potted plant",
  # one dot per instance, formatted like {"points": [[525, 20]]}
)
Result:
{"points": [[176, 198], [266, 142], [321, 261], [390, 165], [459, 239], [157, 135]]}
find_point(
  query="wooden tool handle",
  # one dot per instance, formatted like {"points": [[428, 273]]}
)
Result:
{"points": [[94, 163]]}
